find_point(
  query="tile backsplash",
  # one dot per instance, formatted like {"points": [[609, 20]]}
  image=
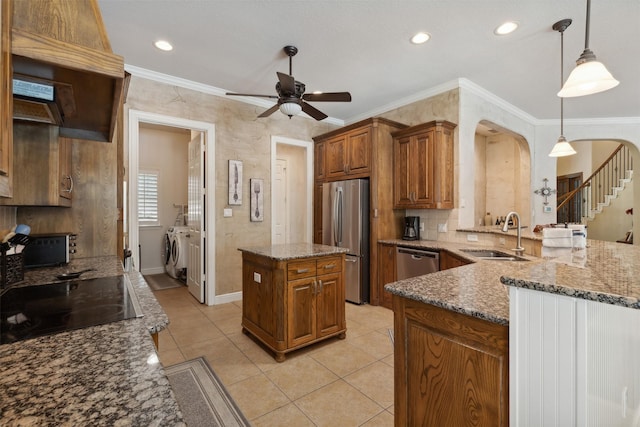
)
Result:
{"points": [[7, 217]]}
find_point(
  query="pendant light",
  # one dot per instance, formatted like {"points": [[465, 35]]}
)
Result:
{"points": [[590, 76], [562, 147]]}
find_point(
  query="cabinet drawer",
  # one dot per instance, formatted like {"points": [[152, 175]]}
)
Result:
{"points": [[329, 265], [301, 269]]}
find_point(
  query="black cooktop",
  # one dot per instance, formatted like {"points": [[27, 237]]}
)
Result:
{"points": [[33, 311]]}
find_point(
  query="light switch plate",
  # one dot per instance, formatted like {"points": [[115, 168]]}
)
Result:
{"points": [[228, 212], [472, 237], [257, 277], [442, 228], [547, 209]]}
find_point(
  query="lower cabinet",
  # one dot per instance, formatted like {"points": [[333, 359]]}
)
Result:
{"points": [[450, 369], [449, 260], [294, 303], [386, 271]]}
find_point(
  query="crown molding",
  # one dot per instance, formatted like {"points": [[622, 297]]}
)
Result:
{"points": [[211, 90]]}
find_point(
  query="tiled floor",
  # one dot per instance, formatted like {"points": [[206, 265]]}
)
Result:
{"points": [[334, 383]]}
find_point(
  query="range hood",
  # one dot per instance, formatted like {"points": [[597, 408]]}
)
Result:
{"points": [[70, 58]]}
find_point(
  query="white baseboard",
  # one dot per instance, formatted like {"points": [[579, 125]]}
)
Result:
{"points": [[230, 297], [155, 270]]}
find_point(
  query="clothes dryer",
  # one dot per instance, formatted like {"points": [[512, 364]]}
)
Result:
{"points": [[176, 251]]}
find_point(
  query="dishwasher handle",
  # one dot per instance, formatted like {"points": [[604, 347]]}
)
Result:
{"points": [[417, 254]]}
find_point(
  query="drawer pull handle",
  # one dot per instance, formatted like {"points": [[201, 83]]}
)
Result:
{"points": [[328, 266], [302, 270]]}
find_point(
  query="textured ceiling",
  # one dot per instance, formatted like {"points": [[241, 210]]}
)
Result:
{"points": [[363, 47]]}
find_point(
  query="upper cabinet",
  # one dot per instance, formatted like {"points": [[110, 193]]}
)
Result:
{"points": [[62, 46], [423, 166], [348, 155]]}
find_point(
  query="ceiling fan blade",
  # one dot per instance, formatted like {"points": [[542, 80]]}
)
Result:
{"points": [[270, 111], [313, 111], [287, 83], [327, 97], [251, 94]]}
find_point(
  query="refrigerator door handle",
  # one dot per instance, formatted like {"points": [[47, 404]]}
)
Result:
{"points": [[337, 216]]}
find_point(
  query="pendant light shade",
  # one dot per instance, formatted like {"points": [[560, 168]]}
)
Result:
{"points": [[590, 76], [562, 147], [290, 108]]}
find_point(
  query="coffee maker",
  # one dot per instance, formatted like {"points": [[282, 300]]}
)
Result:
{"points": [[411, 228]]}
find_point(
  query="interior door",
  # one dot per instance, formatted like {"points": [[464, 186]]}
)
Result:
{"points": [[281, 211], [196, 218]]}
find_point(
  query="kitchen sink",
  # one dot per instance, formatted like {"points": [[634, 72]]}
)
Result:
{"points": [[493, 255]]}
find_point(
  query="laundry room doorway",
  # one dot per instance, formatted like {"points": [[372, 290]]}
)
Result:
{"points": [[163, 222]]}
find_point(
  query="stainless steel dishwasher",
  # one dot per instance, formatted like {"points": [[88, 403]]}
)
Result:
{"points": [[412, 262]]}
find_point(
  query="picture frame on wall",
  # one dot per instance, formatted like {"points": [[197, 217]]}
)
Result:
{"points": [[256, 195], [235, 182]]}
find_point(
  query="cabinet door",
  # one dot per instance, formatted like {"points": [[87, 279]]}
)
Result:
{"points": [[330, 304], [258, 305], [301, 311], [335, 157], [359, 152], [448, 261], [422, 174], [319, 161], [64, 165], [386, 272], [402, 182], [443, 174], [6, 101], [317, 213]]}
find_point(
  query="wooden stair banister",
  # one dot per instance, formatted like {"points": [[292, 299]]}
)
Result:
{"points": [[570, 195]]}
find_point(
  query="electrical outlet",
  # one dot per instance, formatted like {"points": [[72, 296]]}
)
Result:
{"points": [[228, 212], [502, 241], [442, 228], [472, 237], [422, 226], [257, 277]]}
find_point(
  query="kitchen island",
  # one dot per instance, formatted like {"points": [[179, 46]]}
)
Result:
{"points": [[100, 375], [293, 295], [437, 324]]}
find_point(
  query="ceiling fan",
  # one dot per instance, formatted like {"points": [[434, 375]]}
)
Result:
{"points": [[291, 97]]}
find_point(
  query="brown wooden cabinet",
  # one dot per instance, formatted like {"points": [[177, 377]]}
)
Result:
{"points": [[362, 150], [42, 167], [6, 101], [290, 304], [450, 369], [386, 271], [423, 166], [449, 260]]}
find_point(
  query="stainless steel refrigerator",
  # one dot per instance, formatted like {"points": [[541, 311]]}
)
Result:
{"points": [[345, 223]]}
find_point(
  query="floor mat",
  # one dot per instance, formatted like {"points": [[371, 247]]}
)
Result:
{"points": [[201, 396], [158, 282]]}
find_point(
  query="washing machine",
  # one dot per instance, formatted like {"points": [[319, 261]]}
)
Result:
{"points": [[176, 251]]}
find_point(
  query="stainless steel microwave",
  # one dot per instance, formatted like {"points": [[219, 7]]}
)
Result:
{"points": [[45, 250]]}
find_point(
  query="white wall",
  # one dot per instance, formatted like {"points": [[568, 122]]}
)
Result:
{"points": [[165, 150]]}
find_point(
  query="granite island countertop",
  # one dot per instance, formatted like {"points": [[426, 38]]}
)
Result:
{"points": [[604, 271], [101, 375], [287, 251]]}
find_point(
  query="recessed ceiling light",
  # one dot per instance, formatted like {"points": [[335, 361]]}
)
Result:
{"points": [[506, 28], [163, 45], [420, 38]]}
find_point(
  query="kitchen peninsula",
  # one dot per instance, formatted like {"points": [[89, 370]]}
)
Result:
{"points": [[100, 375], [463, 316], [293, 295]]}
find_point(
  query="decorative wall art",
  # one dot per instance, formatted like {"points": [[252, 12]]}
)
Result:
{"points": [[257, 200], [235, 182]]}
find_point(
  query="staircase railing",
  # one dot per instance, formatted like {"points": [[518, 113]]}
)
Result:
{"points": [[601, 182]]}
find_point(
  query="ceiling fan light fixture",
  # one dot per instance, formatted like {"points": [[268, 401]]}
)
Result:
{"points": [[590, 76], [420, 38], [290, 108], [562, 148], [506, 28]]}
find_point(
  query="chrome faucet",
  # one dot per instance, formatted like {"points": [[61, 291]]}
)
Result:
{"points": [[519, 250]]}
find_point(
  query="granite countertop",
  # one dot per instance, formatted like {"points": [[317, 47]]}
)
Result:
{"points": [[284, 252], [604, 271], [101, 375]]}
